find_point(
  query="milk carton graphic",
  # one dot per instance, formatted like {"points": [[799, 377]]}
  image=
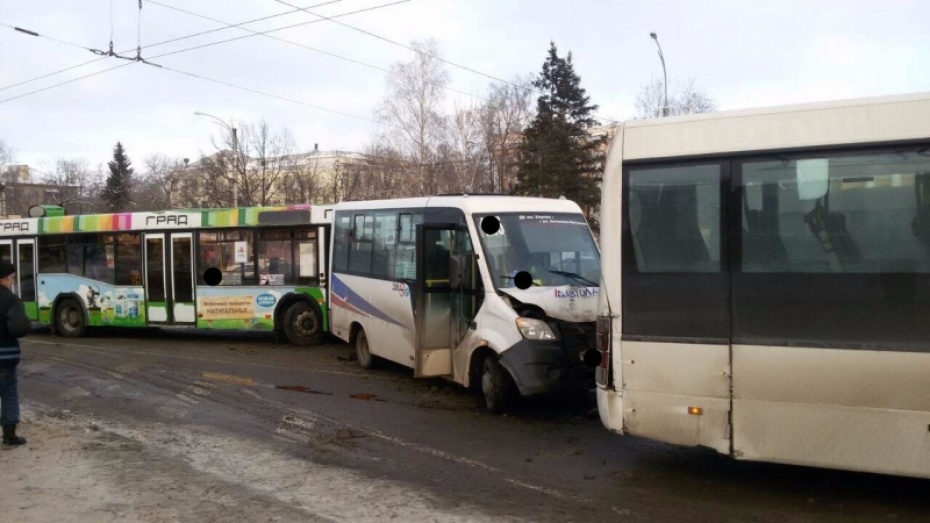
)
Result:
{"points": [[132, 305], [120, 307]]}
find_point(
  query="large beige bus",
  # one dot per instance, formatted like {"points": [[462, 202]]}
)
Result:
{"points": [[766, 283]]}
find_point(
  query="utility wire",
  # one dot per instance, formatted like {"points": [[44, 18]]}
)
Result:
{"points": [[409, 48], [139, 32], [33, 33], [24, 82], [117, 55], [248, 22], [105, 54], [257, 33], [65, 82], [307, 47], [418, 51], [243, 37], [270, 95]]}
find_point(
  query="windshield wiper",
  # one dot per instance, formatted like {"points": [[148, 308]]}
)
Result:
{"points": [[576, 277]]}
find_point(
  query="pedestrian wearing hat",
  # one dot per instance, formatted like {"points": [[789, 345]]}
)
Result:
{"points": [[13, 325]]}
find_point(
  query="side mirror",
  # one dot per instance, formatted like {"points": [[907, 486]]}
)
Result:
{"points": [[456, 271]]}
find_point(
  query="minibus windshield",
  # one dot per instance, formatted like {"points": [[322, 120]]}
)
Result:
{"points": [[555, 248]]}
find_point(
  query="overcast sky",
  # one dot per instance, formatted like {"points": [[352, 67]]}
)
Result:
{"points": [[742, 53]]}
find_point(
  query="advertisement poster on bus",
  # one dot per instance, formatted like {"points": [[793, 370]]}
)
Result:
{"points": [[106, 305], [237, 308]]}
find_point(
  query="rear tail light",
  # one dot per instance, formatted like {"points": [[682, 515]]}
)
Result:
{"points": [[602, 373]]}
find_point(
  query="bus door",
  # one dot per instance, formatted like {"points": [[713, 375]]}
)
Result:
{"points": [[182, 278], [156, 297], [434, 303], [26, 276]]}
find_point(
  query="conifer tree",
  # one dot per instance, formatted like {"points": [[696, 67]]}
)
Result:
{"points": [[558, 155], [117, 191]]}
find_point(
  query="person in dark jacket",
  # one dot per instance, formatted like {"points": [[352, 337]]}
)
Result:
{"points": [[13, 325]]}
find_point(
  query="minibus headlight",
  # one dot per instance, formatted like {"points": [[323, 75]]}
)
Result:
{"points": [[533, 329]]}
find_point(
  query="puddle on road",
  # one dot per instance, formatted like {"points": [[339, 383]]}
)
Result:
{"points": [[301, 388], [365, 397]]}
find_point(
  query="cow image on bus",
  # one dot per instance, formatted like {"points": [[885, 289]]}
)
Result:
{"points": [[766, 283], [497, 293], [259, 268]]}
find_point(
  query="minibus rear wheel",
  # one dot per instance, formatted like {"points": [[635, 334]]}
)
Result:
{"points": [[363, 351]]}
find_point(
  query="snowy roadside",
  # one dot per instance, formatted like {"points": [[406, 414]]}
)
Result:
{"points": [[81, 470]]}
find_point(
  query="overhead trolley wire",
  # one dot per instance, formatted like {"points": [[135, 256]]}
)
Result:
{"points": [[103, 54], [261, 33], [405, 46], [65, 82], [240, 24], [270, 95], [418, 51], [32, 33], [298, 44]]}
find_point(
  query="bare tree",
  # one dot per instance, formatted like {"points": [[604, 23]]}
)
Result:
{"points": [[412, 112], [687, 99], [302, 182], [249, 166], [506, 112], [160, 182], [6, 154], [383, 173], [270, 158], [462, 156], [74, 186]]}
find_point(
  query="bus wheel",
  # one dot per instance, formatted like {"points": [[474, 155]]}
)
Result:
{"points": [[69, 319], [303, 324], [496, 385], [363, 351]]}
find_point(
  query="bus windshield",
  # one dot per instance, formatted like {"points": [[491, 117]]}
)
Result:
{"points": [[556, 249]]}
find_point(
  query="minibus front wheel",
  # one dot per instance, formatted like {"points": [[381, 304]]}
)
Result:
{"points": [[496, 385]]}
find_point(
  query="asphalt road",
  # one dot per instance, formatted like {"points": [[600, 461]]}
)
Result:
{"points": [[550, 460]]}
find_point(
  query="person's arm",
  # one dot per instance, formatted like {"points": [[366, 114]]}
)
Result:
{"points": [[17, 323]]}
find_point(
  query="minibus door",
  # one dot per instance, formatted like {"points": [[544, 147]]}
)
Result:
{"points": [[434, 300]]}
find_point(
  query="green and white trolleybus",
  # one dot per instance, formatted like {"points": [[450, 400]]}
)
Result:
{"points": [[231, 269]]}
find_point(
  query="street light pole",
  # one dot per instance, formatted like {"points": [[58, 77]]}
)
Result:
{"points": [[235, 146], [664, 75]]}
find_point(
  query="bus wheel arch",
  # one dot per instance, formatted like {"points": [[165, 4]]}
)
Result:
{"points": [[69, 318], [300, 319]]}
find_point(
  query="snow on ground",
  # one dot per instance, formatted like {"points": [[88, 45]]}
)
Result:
{"points": [[79, 469]]}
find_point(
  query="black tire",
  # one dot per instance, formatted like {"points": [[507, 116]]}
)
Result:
{"points": [[497, 386], [363, 351], [303, 324], [70, 321]]}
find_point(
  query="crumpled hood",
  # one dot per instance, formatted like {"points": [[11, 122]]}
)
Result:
{"points": [[568, 302]]}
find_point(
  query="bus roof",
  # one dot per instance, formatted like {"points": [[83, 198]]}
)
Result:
{"points": [[471, 204], [167, 219], [862, 121]]}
